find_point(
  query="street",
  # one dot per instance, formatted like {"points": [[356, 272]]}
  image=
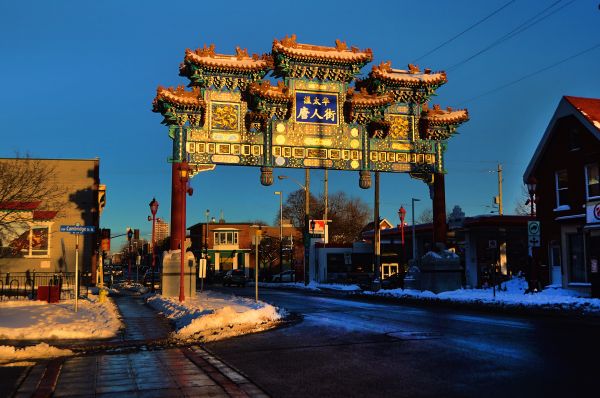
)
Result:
{"points": [[345, 347]]}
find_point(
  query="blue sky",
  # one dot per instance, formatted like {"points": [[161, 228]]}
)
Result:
{"points": [[79, 78]]}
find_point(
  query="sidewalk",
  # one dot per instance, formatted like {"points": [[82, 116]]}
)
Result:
{"points": [[145, 371]]}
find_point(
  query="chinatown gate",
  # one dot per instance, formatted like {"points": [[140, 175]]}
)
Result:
{"points": [[316, 116]]}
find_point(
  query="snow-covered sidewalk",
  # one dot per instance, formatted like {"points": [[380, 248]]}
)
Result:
{"points": [[214, 316]]}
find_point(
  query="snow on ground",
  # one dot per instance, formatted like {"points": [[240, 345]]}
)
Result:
{"points": [[311, 286], [41, 350], [38, 320], [514, 296], [214, 316]]}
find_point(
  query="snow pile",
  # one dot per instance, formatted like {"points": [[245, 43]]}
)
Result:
{"points": [[38, 320], [42, 350], [213, 316], [510, 294], [314, 286]]}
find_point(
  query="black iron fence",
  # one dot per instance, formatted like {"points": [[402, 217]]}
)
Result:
{"points": [[25, 285]]}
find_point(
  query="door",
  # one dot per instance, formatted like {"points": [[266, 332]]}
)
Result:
{"points": [[555, 265]]}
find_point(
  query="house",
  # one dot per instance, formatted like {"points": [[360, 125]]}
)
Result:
{"points": [[30, 236], [232, 246], [567, 195]]}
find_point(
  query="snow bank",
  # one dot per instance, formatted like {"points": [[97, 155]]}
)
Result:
{"points": [[42, 350], [213, 316], [311, 286], [512, 294], [38, 320]]}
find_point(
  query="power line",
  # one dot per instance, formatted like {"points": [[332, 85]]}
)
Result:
{"points": [[531, 74], [537, 18], [465, 31]]}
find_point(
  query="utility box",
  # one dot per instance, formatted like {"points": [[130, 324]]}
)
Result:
{"points": [[438, 272], [171, 274]]}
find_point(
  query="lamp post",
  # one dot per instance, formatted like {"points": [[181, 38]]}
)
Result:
{"points": [[280, 193], [414, 240], [306, 189], [129, 236], [531, 187], [184, 177], [153, 209], [402, 214]]}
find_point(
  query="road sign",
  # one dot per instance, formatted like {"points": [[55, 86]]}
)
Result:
{"points": [[78, 229], [533, 228], [534, 241], [492, 244]]}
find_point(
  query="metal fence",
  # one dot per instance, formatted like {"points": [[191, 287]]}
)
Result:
{"points": [[24, 285]]}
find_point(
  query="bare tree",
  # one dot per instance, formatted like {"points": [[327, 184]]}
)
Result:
{"points": [[522, 207], [348, 215], [426, 216], [25, 185]]}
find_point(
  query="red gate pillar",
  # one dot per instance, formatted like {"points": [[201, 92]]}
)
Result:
{"points": [[439, 211], [176, 207]]}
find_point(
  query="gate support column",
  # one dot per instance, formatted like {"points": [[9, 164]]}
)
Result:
{"points": [[439, 211], [176, 207]]}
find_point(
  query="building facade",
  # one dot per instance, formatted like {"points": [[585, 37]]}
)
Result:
{"points": [[36, 243], [233, 246], [565, 168], [161, 230]]}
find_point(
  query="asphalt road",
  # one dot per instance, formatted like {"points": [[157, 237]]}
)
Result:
{"points": [[352, 348]]}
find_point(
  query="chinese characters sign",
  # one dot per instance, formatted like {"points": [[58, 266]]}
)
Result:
{"points": [[316, 108]]}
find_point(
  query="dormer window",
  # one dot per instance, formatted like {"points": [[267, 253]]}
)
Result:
{"points": [[574, 139]]}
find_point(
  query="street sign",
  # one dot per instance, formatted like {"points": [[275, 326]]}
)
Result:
{"points": [[78, 229], [533, 228], [534, 241], [492, 244]]}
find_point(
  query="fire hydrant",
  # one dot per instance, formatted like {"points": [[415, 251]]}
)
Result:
{"points": [[102, 295]]}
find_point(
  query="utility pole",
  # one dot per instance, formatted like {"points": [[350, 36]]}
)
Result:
{"points": [[500, 189], [306, 225], [325, 215], [376, 231]]}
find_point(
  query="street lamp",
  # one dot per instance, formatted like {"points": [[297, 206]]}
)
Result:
{"points": [[184, 176], [414, 240], [531, 186], [280, 193], [207, 214], [402, 214], [153, 209], [129, 236], [306, 189]]}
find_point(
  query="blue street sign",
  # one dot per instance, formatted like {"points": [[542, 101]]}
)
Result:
{"points": [[78, 229]]}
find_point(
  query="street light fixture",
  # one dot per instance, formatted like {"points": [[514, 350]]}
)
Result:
{"points": [[531, 187], [414, 240], [153, 209], [401, 215], [129, 236], [280, 193]]}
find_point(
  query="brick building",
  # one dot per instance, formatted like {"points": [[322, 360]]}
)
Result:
{"points": [[565, 167]]}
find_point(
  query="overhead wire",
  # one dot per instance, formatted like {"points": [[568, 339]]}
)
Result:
{"points": [[464, 31], [531, 74], [527, 24]]}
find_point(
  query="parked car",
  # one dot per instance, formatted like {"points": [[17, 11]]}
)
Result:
{"points": [[234, 277], [395, 281], [285, 276]]}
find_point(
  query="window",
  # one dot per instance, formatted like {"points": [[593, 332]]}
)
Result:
{"points": [[574, 139], [562, 188], [592, 181], [29, 241], [226, 238]]}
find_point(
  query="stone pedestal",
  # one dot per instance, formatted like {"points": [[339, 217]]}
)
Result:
{"points": [[171, 270], [437, 272]]}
